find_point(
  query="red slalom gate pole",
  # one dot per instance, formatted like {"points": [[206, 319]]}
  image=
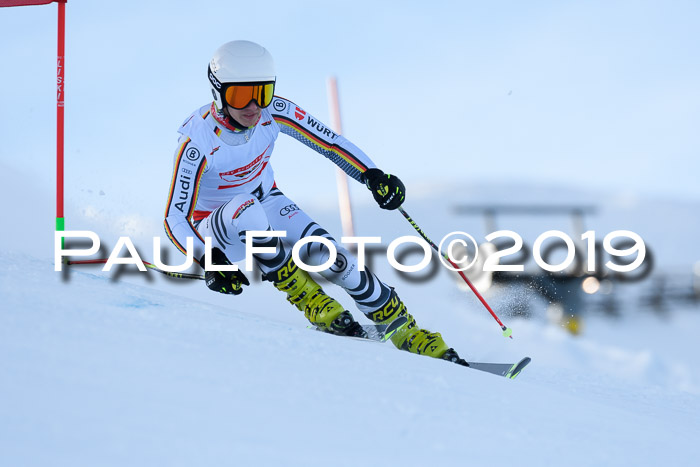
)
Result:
{"points": [[507, 332], [60, 99]]}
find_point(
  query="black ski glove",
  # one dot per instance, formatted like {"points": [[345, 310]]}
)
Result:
{"points": [[228, 282], [388, 191]]}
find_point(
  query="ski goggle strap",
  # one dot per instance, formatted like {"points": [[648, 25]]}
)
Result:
{"points": [[239, 95]]}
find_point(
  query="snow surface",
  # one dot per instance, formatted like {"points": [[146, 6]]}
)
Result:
{"points": [[136, 369]]}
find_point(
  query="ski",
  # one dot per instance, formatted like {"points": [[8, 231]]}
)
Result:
{"points": [[507, 370], [383, 332], [375, 332]]}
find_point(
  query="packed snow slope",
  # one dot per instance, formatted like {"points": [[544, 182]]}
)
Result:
{"points": [[134, 369]]}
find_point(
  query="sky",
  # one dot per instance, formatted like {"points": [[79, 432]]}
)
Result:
{"points": [[594, 95]]}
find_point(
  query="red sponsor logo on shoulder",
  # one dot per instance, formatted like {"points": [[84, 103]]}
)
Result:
{"points": [[299, 114]]}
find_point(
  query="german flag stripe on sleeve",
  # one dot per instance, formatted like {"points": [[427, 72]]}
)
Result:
{"points": [[182, 199], [194, 181], [341, 157], [178, 159], [173, 239], [197, 178]]}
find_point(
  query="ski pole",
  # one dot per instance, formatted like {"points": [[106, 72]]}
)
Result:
{"points": [[177, 275], [507, 332]]}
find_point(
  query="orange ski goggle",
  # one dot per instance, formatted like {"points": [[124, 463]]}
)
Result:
{"points": [[239, 95]]}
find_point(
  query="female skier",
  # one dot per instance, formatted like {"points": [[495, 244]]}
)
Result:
{"points": [[223, 185]]}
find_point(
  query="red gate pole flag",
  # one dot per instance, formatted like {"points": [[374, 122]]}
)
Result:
{"points": [[60, 83]]}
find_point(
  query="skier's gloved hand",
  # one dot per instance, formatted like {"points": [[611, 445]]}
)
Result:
{"points": [[388, 191], [228, 282]]}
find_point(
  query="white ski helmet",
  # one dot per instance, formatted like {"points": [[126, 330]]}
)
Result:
{"points": [[243, 63]]}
